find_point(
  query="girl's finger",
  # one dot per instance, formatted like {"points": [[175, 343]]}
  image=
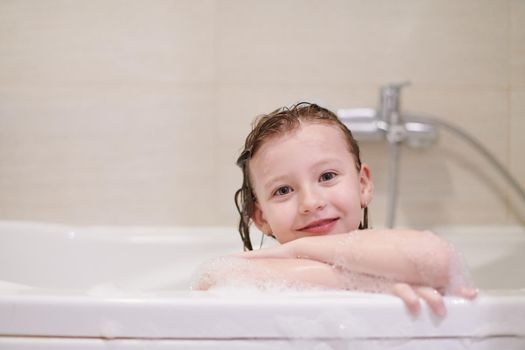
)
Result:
{"points": [[467, 293], [409, 297], [433, 299]]}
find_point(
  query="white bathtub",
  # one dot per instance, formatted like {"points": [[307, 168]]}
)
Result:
{"points": [[128, 288]]}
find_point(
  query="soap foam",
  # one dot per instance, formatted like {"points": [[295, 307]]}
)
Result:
{"points": [[459, 273], [425, 257], [232, 274], [367, 283], [354, 280]]}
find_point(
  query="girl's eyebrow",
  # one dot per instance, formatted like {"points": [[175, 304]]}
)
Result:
{"points": [[273, 181], [328, 161]]}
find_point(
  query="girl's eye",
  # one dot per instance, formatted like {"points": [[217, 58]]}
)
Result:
{"points": [[283, 190], [329, 175]]}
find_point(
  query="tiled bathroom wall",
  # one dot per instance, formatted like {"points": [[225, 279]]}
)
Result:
{"points": [[133, 112]]}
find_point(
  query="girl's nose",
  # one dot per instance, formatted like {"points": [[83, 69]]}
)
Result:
{"points": [[311, 201]]}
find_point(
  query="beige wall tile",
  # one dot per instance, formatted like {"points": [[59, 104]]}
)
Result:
{"points": [[517, 150], [517, 42], [453, 187], [449, 183], [482, 112], [239, 104], [441, 188], [106, 41], [107, 155], [431, 42], [134, 113]]}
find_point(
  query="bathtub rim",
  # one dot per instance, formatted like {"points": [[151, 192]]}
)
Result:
{"points": [[208, 315]]}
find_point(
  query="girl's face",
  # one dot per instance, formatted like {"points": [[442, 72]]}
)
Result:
{"points": [[307, 184]]}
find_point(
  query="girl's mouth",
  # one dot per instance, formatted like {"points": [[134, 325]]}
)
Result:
{"points": [[322, 226]]}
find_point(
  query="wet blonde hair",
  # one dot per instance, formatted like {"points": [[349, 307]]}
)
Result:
{"points": [[266, 126]]}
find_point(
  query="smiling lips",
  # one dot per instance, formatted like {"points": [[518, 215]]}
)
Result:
{"points": [[320, 226]]}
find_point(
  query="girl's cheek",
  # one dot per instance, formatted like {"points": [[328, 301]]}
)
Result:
{"points": [[281, 211]]}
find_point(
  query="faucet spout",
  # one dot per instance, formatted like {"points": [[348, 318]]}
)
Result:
{"points": [[390, 102]]}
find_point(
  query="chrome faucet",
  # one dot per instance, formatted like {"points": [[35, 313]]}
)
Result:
{"points": [[387, 122]]}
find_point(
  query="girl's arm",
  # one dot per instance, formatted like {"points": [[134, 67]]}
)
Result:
{"points": [[270, 273], [408, 256], [265, 273], [408, 264]]}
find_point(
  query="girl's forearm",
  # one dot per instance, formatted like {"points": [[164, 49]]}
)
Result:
{"points": [[414, 257], [278, 273], [265, 273]]}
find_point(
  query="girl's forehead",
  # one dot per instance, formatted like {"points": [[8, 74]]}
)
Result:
{"points": [[307, 140]]}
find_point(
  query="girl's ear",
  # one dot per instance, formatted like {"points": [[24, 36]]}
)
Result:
{"points": [[366, 185], [260, 221]]}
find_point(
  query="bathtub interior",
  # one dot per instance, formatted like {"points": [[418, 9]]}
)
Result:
{"points": [[60, 257], [101, 259], [494, 254]]}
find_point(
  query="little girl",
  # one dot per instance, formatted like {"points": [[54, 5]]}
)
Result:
{"points": [[304, 185]]}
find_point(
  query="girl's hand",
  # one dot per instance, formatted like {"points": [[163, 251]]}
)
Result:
{"points": [[412, 294]]}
